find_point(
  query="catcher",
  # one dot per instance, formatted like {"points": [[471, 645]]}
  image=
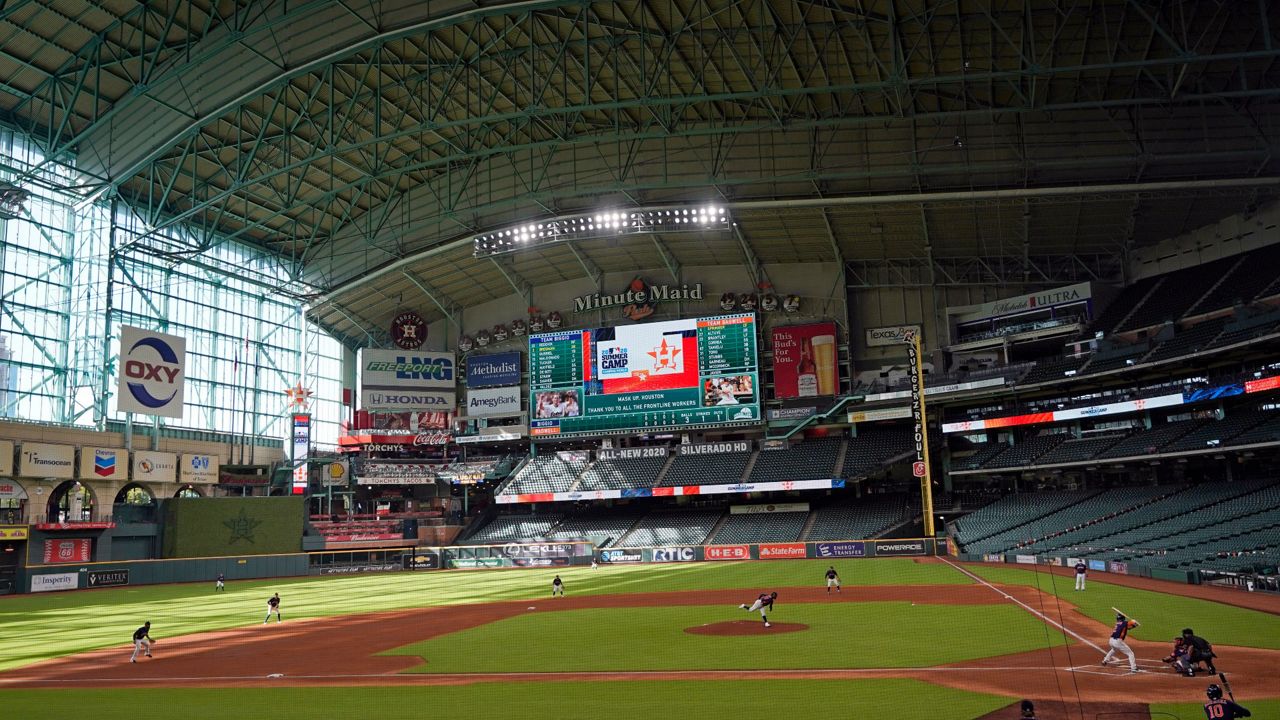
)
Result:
{"points": [[1180, 658]]}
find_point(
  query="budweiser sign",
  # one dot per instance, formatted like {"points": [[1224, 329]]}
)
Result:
{"points": [[432, 438]]}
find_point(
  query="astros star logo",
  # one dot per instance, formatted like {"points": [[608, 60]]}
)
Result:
{"points": [[241, 527], [666, 358], [299, 397]]}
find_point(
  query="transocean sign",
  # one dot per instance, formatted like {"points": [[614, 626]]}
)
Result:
{"points": [[648, 295]]}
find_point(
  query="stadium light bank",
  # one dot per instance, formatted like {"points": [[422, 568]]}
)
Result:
{"points": [[587, 226]]}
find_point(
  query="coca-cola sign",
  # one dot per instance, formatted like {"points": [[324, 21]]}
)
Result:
{"points": [[432, 438]]}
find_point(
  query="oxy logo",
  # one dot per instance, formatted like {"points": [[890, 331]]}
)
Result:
{"points": [[153, 368]]}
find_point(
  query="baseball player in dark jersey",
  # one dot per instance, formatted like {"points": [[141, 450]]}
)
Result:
{"points": [[1081, 571], [1118, 645], [220, 583], [557, 587], [273, 606], [1200, 650], [763, 603], [1028, 710], [1219, 708], [833, 579], [1180, 658], [142, 641]]}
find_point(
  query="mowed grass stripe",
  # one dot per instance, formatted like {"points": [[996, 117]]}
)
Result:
{"points": [[42, 626], [840, 635], [1162, 615], [641, 700]]}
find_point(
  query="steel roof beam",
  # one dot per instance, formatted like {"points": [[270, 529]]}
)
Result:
{"points": [[447, 305]]}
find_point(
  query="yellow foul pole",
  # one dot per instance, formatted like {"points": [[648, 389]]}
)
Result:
{"points": [[920, 468]]}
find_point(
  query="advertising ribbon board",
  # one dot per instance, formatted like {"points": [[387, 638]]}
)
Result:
{"points": [[765, 509], [75, 550], [637, 453], [540, 562], [715, 448], [899, 547], [620, 556], [107, 578], [359, 569], [54, 581], [15, 532], [727, 552], [783, 551], [422, 560], [674, 554], [400, 380], [494, 402], [841, 549]]}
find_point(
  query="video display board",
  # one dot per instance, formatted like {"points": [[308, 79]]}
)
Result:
{"points": [[652, 376]]}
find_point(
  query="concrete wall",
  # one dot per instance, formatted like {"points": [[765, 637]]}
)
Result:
{"points": [[1231, 236]]}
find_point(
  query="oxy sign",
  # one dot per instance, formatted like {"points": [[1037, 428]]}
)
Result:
{"points": [[152, 372]]}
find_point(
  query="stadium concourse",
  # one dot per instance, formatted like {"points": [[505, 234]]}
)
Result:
{"points": [[966, 314]]}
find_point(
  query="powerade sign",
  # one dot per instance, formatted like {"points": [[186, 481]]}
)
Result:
{"points": [[152, 372], [615, 557], [841, 550], [677, 554], [899, 547], [497, 370]]}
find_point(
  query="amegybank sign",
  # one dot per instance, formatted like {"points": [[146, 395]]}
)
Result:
{"points": [[494, 402]]}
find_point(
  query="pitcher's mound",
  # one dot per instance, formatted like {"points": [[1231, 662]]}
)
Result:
{"points": [[745, 627]]}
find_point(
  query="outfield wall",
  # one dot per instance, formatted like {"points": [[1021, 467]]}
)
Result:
{"points": [[1116, 567]]}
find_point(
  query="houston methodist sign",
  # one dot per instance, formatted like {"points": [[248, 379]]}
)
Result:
{"points": [[152, 372]]}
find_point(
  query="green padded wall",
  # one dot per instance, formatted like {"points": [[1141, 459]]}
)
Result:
{"points": [[208, 527]]}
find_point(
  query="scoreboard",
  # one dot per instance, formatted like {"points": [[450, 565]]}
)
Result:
{"points": [[654, 376]]}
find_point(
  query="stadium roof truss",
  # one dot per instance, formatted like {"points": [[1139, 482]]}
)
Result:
{"points": [[917, 141]]}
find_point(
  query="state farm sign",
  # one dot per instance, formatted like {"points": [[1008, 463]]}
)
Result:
{"points": [[728, 552], [783, 551]]}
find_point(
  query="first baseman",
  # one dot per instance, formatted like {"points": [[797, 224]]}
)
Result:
{"points": [[763, 603], [833, 579], [141, 641], [273, 606], [1121, 631]]}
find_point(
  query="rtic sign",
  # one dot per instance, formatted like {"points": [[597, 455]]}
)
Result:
{"points": [[728, 552], [151, 372], [677, 554]]}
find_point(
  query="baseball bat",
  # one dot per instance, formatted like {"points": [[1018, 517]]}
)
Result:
{"points": [[1226, 685], [1118, 611]]}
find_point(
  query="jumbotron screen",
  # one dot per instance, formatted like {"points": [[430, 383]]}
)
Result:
{"points": [[654, 376]]}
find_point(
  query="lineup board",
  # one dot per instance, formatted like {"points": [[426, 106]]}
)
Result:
{"points": [[645, 377]]}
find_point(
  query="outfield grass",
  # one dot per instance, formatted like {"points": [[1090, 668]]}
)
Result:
{"points": [[705, 700], [840, 635], [42, 626], [1162, 616]]}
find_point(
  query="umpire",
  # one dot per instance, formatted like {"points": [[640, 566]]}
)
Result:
{"points": [[1201, 650]]}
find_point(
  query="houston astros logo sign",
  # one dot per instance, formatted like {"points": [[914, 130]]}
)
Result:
{"points": [[408, 330]]}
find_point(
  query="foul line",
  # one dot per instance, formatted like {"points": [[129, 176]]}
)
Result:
{"points": [[1027, 607]]}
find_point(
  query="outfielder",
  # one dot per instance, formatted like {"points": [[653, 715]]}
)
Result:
{"points": [[1081, 571], [220, 583], [141, 641], [763, 603], [833, 579], [1118, 635]]}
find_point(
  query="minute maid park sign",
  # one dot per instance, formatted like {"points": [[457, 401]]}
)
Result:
{"points": [[638, 295]]}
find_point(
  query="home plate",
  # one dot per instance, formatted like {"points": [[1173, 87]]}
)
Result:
{"points": [[276, 675], [533, 607]]}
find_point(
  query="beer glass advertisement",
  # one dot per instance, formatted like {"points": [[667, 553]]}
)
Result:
{"points": [[805, 361]]}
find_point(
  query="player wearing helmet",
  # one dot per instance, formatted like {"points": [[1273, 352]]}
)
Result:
{"points": [[1118, 645], [763, 603], [1219, 708]]}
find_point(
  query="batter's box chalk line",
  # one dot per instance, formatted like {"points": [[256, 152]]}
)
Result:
{"points": [[1109, 670]]}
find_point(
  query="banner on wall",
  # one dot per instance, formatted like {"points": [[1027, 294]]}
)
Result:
{"points": [[198, 468], [400, 380], [6, 458], [783, 551], [496, 370], [774, 508], [156, 467], [805, 362], [899, 547], [727, 552], [621, 556], [1023, 303], [152, 372], [841, 549], [104, 463], [107, 578], [300, 449], [674, 554], [892, 335], [11, 490], [50, 582], [494, 402], [44, 460], [74, 550]]}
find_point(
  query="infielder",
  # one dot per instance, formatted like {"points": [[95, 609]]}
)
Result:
{"points": [[833, 579], [1121, 631], [557, 587], [141, 641], [1081, 571], [273, 606], [763, 603]]}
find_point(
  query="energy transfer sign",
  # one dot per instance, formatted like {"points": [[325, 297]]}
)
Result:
{"points": [[152, 372]]}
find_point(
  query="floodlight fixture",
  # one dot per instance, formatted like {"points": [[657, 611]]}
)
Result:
{"points": [[602, 224]]}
